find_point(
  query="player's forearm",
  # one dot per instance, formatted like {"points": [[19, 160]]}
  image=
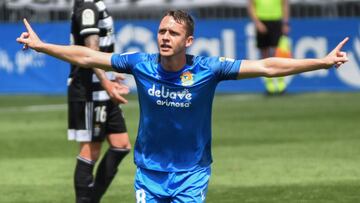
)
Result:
{"points": [[74, 54], [104, 81], [285, 66], [101, 74], [286, 11], [251, 11], [92, 42]]}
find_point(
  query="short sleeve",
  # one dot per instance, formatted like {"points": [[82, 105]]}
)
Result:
{"points": [[224, 68], [87, 18], [124, 63]]}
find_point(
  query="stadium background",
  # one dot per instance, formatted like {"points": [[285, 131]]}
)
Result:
{"points": [[302, 147], [316, 27]]}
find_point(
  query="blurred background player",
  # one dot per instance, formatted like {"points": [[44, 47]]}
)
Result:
{"points": [[271, 19], [92, 116]]}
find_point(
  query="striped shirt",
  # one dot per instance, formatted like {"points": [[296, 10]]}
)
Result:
{"points": [[89, 17]]}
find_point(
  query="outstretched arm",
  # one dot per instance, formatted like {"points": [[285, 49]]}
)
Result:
{"points": [[82, 56], [275, 67]]}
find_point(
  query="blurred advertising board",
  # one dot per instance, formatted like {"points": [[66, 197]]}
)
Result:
{"points": [[29, 72]]}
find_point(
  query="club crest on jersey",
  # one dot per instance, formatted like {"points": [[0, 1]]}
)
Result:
{"points": [[187, 78]]}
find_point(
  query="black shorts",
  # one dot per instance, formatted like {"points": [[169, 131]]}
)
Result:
{"points": [[271, 38], [93, 121]]}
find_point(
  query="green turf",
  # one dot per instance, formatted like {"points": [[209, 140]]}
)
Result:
{"points": [[293, 149]]}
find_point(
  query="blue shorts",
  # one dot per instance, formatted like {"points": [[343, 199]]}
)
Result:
{"points": [[171, 187]]}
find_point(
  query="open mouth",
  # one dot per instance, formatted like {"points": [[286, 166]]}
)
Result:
{"points": [[165, 46]]}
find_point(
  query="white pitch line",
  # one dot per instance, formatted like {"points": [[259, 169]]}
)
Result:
{"points": [[237, 97], [48, 107], [132, 104], [34, 108]]}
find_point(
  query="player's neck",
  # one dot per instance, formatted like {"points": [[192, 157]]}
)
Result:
{"points": [[173, 63]]}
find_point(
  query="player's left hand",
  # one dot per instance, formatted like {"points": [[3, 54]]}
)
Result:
{"points": [[337, 57], [116, 91]]}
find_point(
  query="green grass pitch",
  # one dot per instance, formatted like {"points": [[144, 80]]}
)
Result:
{"points": [[302, 148]]}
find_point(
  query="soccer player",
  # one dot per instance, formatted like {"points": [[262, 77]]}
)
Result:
{"points": [[173, 147], [92, 116]]}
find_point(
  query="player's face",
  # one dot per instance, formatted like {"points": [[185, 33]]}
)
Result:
{"points": [[172, 38]]}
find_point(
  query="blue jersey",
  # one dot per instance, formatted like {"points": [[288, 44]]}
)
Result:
{"points": [[175, 109]]}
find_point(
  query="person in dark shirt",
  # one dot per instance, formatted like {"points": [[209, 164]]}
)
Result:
{"points": [[92, 116]]}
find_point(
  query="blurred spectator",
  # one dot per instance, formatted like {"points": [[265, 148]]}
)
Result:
{"points": [[271, 19]]}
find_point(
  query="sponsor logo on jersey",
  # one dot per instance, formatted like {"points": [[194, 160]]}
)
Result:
{"points": [[223, 59], [187, 78], [166, 97], [88, 17]]}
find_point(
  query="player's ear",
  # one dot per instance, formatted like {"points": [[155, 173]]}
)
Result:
{"points": [[189, 41]]}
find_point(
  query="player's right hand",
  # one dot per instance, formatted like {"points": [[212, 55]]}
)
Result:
{"points": [[29, 38], [260, 27]]}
